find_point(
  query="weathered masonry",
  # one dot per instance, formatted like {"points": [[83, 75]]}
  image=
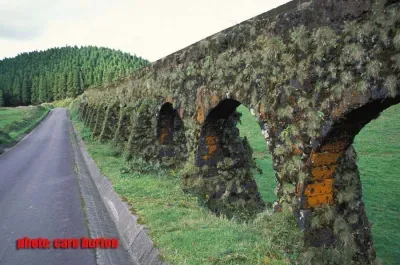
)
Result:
{"points": [[315, 73]]}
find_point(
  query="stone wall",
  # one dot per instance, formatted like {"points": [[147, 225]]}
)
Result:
{"points": [[313, 72]]}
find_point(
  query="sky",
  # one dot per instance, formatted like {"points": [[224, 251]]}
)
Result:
{"points": [[151, 29]]}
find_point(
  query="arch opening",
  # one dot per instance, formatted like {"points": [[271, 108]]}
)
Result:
{"points": [[114, 116], [218, 131], [124, 124], [98, 120], [336, 182], [110, 122], [258, 137], [378, 149], [171, 137], [228, 168]]}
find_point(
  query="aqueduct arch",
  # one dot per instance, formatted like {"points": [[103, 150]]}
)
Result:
{"points": [[316, 73], [171, 136], [220, 118], [110, 121], [226, 163], [336, 178]]}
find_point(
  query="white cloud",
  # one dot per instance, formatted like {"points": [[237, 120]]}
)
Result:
{"points": [[149, 28]]}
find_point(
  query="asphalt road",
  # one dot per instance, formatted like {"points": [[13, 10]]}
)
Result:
{"points": [[40, 197]]}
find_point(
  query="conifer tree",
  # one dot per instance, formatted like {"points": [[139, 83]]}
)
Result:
{"points": [[26, 91], [1, 98], [42, 89], [35, 90], [16, 88], [36, 77]]}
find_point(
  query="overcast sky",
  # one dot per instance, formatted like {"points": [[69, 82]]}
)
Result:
{"points": [[148, 28]]}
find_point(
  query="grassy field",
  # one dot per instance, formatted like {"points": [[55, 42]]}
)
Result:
{"points": [[16, 122], [186, 233], [249, 128], [378, 148]]}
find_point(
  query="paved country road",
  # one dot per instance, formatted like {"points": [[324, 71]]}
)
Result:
{"points": [[40, 197]]}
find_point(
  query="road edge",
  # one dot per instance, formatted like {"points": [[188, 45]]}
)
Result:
{"points": [[133, 236]]}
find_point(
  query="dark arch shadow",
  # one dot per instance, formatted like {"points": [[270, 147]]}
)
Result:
{"points": [[171, 136], [114, 117], [351, 124], [223, 116], [110, 122], [227, 164]]}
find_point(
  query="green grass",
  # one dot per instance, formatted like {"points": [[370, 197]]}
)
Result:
{"points": [[63, 103], [16, 122], [378, 147], [250, 128], [183, 231]]}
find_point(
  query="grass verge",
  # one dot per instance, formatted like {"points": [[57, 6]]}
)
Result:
{"points": [[62, 103], [15, 123]]}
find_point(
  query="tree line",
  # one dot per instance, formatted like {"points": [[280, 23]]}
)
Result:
{"points": [[58, 73]]}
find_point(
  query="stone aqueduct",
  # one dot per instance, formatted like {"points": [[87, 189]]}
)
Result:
{"points": [[314, 73]]}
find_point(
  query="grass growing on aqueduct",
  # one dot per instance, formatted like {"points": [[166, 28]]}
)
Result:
{"points": [[188, 234]]}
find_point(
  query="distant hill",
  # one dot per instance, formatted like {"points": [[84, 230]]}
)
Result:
{"points": [[57, 73]]}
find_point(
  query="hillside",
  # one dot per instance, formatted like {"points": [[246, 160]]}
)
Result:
{"points": [[57, 73]]}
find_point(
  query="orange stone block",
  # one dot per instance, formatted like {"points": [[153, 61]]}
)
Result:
{"points": [[320, 193], [211, 142], [200, 114], [297, 151], [319, 188], [163, 135], [321, 159], [320, 200], [215, 100], [323, 172]]}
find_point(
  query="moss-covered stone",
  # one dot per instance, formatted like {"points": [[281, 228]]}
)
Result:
{"points": [[303, 68]]}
